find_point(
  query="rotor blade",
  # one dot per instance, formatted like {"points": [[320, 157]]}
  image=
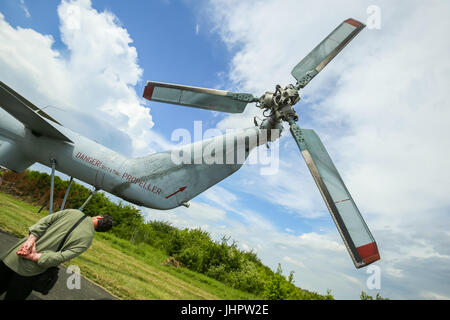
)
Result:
{"points": [[319, 57], [356, 235], [210, 99], [27, 113]]}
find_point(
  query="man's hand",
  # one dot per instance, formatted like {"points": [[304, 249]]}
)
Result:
{"points": [[28, 245], [28, 249]]}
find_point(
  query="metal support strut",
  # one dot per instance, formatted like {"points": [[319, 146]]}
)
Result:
{"points": [[88, 199], [67, 194], [52, 184]]}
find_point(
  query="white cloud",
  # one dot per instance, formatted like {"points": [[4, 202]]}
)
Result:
{"points": [[92, 81], [351, 279], [284, 188], [220, 197], [198, 215], [318, 242], [25, 8], [294, 262], [398, 273], [434, 296]]}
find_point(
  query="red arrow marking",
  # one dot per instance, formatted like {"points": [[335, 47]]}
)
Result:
{"points": [[179, 190]]}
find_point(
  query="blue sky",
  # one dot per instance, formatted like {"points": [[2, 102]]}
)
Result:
{"points": [[367, 105], [164, 35]]}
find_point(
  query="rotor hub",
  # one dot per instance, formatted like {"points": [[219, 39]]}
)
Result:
{"points": [[280, 103]]}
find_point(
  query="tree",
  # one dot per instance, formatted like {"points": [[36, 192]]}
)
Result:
{"points": [[275, 289]]}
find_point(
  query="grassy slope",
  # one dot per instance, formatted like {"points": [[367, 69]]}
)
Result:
{"points": [[127, 271]]}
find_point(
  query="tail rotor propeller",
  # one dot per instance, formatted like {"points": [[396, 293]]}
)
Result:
{"points": [[278, 107]]}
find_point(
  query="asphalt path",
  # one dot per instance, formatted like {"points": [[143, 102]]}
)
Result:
{"points": [[61, 291]]}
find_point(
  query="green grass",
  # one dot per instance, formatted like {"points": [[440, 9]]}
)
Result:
{"points": [[125, 270]]}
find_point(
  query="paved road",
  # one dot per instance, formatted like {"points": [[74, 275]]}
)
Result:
{"points": [[87, 291]]}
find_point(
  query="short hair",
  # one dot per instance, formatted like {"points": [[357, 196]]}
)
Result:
{"points": [[104, 224]]}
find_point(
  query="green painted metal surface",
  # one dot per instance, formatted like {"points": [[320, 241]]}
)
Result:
{"points": [[209, 99], [325, 51], [340, 203]]}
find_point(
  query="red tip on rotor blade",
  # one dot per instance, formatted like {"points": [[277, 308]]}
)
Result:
{"points": [[369, 252], [353, 22], [148, 92]]}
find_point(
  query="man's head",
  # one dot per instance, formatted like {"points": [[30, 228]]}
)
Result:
{"points": [[102, 223]]}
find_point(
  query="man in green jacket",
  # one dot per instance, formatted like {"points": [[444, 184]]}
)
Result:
{"points": [[25, 261]]}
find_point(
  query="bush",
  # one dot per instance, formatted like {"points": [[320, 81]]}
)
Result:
{"points": [[275, 288]]}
